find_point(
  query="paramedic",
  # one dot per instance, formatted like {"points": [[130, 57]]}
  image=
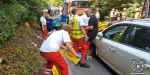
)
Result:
{"points": [[92, 26], [44, 27], [79, 37], [50, 50]]}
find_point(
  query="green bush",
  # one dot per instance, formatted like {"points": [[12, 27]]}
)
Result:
{"points": [[8, 20], [15, 12], [105, 6], [34, 9]]}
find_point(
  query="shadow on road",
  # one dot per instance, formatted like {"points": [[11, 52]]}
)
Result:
{"points": [[106, 66]]}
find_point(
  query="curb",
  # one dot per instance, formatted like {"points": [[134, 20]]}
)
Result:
{"points": [[70, 72]]}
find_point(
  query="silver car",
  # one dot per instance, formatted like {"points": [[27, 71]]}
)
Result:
{"points": [[125, 47]]}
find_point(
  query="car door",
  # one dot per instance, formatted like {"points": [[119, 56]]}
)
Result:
{"points": [[133, 55], [107, 45]]}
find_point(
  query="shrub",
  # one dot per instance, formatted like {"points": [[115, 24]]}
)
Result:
{"points": [[10, 14], [15, 12]]}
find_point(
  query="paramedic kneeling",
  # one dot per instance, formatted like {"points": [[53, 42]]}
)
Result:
{"points": [[50, 50]]}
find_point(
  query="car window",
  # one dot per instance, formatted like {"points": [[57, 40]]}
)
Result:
{"points": [[115, 33], [140, 38]]}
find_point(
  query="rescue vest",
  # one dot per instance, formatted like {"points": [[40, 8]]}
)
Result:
{"points": [[76, 32], [117, 36]]}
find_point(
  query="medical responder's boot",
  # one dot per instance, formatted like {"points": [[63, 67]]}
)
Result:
{"points": [[84, 64]]}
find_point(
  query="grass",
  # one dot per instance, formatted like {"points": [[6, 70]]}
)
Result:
{"points": [[22, 57]]}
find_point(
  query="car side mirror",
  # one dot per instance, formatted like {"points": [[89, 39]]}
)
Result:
{"points": [[99, 35]]}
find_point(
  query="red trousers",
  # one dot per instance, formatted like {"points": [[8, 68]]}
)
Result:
{"points": [[55, 58], [44, 32], [69, 32], [83, 45], [88, 44]]}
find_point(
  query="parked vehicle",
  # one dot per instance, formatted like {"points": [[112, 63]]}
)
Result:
{"points": [[125, 47], [81, 5]]}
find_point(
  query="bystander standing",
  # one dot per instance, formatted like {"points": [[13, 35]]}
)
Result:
{"points": [[97, 14], [92, 26], [112, 15], [43, 26], [124, 14], [117, 15], [63, 18]]}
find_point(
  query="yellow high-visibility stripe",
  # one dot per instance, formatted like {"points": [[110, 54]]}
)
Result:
{"points": [[76, 32]]}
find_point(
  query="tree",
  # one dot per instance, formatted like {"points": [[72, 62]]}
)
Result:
{"points": [[57, 3], [105, 6], [14, 12]]}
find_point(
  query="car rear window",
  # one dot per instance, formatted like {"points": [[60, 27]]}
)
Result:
{"points": [[140, 38]]}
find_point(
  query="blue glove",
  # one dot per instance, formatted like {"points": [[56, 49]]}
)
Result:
{"points": [[85, 39], [43, 29], [79, 56]]}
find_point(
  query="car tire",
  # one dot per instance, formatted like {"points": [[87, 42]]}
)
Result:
{"points": [[92, 50]]}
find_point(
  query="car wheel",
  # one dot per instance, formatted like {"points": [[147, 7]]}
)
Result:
{"points": [[92, 50]]}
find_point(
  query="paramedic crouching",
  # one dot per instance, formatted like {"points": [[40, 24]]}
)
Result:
{"points": [[50, 50]]}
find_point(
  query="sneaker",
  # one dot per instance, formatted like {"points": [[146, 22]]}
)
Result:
{"points": [[85, 65]]}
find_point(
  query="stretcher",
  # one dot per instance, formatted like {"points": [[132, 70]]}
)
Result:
{"points": [[70, 56], [55, 71], [62, 51]]}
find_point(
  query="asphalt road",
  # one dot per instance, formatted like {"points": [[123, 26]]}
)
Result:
{"points": [[97, 68]]}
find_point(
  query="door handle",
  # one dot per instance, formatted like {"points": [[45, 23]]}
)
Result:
{"points": [[147, 66], [111, 49]]}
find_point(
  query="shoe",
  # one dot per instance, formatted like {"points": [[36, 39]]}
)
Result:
{"points": [[85, 65]]}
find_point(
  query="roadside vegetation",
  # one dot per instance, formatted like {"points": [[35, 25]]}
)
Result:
{"points": [[22, 53], [17, 12], [19, 45], [105, 6]]}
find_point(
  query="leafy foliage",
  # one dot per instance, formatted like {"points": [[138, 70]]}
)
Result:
{"points": [[57, 3], [15, 12], [105, 6]]}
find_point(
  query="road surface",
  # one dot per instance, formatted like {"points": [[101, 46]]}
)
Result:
{"points": [[97, 68]]}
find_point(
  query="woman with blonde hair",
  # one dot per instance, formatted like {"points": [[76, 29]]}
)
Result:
{"points": [[124, 14], [137, 13]]}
